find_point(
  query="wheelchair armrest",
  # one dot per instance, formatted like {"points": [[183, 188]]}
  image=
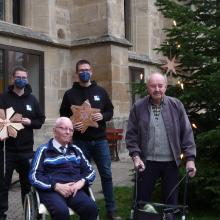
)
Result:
{"points": [[34, 190], [91, 193]]}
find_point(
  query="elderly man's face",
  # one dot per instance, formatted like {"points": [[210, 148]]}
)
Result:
{"points": [[63, 132], [156, 87]]}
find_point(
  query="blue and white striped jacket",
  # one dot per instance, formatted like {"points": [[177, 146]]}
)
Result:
{"points": [[49, 167]]}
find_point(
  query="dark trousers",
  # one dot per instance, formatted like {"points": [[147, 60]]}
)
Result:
{"points": [[57, 205], [169, 174], [20, 163], [99, 152], [2, 216]]}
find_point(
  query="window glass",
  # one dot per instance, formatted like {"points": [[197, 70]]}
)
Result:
{"points": [[31, 63], [127, 19], [137, 83], [32, 60], [16, 12], [2, 9]]}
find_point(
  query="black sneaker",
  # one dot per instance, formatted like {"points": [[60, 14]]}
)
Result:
{"points": [[113, 216]]}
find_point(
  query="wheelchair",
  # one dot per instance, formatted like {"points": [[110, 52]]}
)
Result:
{"points": [[35, 210]]}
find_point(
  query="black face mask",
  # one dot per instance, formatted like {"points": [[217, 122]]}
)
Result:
{"points": [[84, 76]]}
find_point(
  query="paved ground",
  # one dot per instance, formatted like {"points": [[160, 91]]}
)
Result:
{"points": [[121, 177]]}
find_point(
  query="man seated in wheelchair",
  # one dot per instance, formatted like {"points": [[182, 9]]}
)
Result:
{"points": [[60, 171]]}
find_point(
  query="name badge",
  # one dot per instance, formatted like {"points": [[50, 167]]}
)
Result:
{"points": [[96, 98], [28, 108]]}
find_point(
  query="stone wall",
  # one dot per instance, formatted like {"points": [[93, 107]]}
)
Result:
{"points": [[120, 81], [43, 135], [88, 19], [58, 78], [41, 16], [147, 24], [115, 16], [69, 30], [62, 21]]}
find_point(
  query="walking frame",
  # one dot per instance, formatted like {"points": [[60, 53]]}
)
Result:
{"points": [[142, 210]]}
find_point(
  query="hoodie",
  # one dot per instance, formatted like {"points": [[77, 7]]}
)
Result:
{"points": [[98, 98], [28, 106]]}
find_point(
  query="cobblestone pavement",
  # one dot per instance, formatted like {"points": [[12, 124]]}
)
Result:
{"points": [[121, 177]]}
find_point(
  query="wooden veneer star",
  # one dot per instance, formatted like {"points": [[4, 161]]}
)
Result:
{"points": [[10, 123], [83, 113]]}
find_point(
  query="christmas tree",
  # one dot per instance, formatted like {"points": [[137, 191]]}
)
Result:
{"points": [[194, 39]]}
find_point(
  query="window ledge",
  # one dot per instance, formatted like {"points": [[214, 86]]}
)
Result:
{"points": [[141, 58], [101, 39], [9, 29]]}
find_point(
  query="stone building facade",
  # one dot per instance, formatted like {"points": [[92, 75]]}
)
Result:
{"points": [[49, 36]]}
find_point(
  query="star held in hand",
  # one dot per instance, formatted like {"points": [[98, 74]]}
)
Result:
{"points": [[83, 114], [10, 123]]}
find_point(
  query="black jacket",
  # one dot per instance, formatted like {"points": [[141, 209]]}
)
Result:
{"points": [[98, 98], [28, 106]]}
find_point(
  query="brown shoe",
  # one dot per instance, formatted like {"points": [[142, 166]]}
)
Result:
{"points": [[113, 216]]}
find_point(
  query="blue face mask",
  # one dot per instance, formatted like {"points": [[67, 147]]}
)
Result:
{"points": [[84, 76], [20, 83]]}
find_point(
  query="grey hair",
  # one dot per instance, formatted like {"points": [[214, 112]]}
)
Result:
{"points": [[61, 119], [156, 73]]}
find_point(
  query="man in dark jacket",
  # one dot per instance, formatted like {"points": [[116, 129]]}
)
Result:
{"points": [[93, 141], [19, 150], [158, 132], [60, 171]]}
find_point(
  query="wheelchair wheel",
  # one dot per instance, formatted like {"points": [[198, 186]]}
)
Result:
{"points": [[30, 207]]}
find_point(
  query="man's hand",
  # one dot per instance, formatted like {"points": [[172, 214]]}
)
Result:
{"points": [[64, 189], [97, 116], [25, 121], [190, 165], [2, 139], [78, 126], [77, 186], [138, 163]]}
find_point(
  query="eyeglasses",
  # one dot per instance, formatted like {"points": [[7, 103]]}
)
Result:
{"points": [[20, 77], [66, 129], [82, 70]]}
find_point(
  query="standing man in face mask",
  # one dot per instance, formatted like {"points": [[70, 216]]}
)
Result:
{"points": [[93, 141], [19, 150]]}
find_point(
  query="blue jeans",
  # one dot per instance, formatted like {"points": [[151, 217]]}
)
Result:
{"points": [[99, 151]]}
